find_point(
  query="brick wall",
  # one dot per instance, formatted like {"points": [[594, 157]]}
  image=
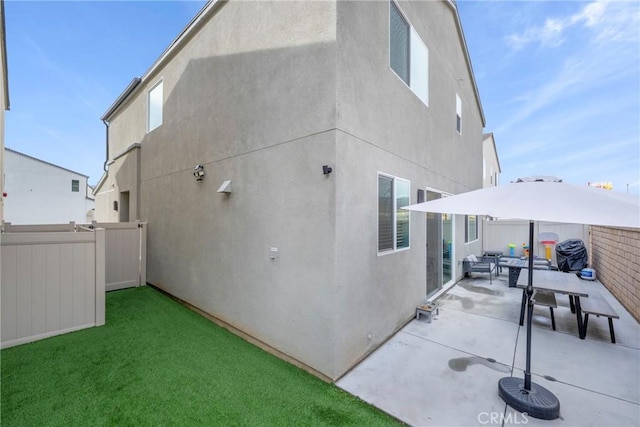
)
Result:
{"points": [[615, 254]]}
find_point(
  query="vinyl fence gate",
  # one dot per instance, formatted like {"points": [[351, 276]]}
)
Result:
{"points": [[125, 254]]}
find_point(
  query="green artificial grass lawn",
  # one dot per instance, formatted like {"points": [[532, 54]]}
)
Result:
{"points": [[155, 363]]}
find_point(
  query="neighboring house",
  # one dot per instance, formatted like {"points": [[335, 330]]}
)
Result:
{"points": [[39, 192], [4, 101], [326, 118], [490, 162]]}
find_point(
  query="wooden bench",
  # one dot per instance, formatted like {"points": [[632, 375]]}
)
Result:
{"points": [[547, 300], [598, 306]]}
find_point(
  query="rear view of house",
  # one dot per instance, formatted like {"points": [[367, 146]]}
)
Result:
{"points": [[271, 148]]}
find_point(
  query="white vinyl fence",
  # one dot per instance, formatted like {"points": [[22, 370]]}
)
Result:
{"points": [[126, 254], [498, 234], [54, 276], [51, 283]]}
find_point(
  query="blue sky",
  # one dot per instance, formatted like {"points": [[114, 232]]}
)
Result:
{"points": [[559, 81]]}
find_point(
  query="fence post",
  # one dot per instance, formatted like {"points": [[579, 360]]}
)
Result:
{"points": [[100, 276], [143, 253]]}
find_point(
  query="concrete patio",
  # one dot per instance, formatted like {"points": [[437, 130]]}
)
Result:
{"points": [[446, 373]]}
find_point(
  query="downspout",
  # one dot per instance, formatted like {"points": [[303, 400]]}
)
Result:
{"points": [[106, 124], [117, 103]]}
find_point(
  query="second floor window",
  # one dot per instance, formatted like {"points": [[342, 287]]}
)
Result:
{"points": [[75, 185], [155, 107], [408, 55]]}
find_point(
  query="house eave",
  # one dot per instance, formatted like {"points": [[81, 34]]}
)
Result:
{"points": [[46, 163], [4, 59], [454, 7], [120, 99]]}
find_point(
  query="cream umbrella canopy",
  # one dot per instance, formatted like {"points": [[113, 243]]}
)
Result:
{"points": [[539, 199], [543, 199]]}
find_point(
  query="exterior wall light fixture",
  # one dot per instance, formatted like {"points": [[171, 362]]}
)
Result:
{"points": [[198, 172], [326, 169], [225, 187]]}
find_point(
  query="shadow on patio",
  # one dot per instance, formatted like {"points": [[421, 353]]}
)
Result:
{"points": [[446, 373]]}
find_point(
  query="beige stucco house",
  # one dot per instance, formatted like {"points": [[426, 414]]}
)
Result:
{"points": [[271, 147], [490, 162]]}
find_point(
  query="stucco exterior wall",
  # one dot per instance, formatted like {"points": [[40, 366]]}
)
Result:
{"points": [[251, 98], [491, 165], [124, 176], [265, 94], [615, 255], [384, 127]]}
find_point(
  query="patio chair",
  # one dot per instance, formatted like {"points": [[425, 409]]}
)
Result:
{"points": [[473, 264]]}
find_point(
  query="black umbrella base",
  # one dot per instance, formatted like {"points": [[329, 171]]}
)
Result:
{"points": [[537, 403]]}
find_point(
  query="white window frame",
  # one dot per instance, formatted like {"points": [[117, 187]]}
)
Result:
{"points": [[467, 228], [458, 114], [395, 248], [151, 126], [416, 67]]}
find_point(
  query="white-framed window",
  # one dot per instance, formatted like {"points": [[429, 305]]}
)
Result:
{"points": [[75, 185], [154, 107], [408, 54], [470, 228], [393, 221], [458, 114]]}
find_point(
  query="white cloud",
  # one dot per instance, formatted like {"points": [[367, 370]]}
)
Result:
{"points": [[611, 56], [612, 21], [590, 15]]}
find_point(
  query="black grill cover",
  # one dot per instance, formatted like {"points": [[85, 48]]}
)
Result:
{"points": [[571, 255]]}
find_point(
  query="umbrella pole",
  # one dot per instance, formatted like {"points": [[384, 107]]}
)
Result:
{"points": [[527, 371], [527, 397]]}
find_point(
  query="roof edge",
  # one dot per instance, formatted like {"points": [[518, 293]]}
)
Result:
{"points": [[46, 163], [120, 99], [193, 26], [452, 4], [7, 104], [186, 33]]}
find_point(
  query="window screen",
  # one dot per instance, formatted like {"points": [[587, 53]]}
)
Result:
{"points": [[399, 43]]}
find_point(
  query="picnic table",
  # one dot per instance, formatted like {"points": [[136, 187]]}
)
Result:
{"points": [[516, 264], [559, 283]]}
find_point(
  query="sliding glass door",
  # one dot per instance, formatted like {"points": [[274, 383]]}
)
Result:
{"points": [[440, 257]]}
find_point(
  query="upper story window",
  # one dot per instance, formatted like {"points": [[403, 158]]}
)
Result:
{"points": [[154, 107], [393, 221], [458, 114], [408, 55], [75, 185]]}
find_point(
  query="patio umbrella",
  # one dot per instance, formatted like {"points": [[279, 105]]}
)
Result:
{"points": [[539, 199]]}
